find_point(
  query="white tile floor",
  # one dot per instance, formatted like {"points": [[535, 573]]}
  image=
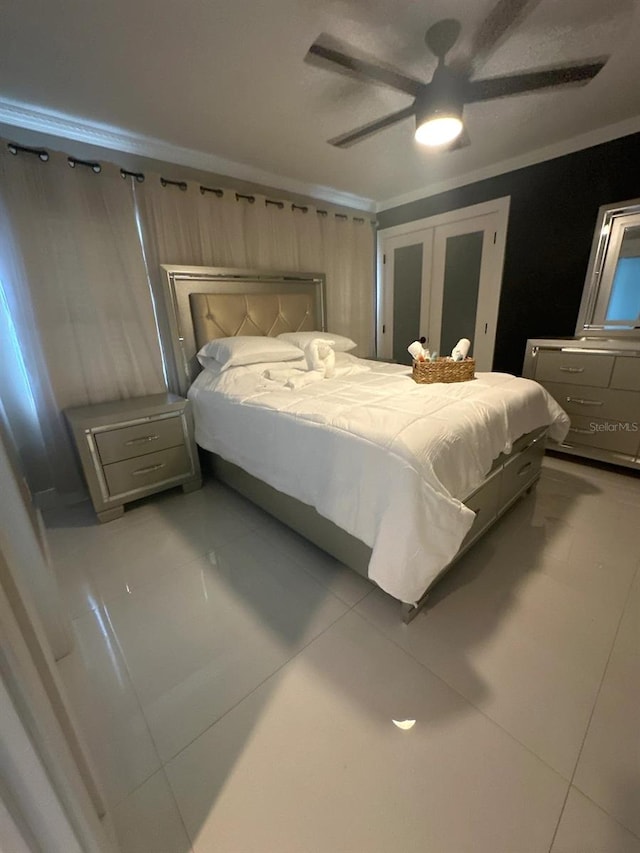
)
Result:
{"points": [[237, 687]]}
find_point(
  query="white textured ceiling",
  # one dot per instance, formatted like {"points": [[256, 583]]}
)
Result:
{"points": [[227, 78]]}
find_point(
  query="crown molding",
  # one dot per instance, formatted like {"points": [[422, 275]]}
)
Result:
{"points": [[550, 152], [35, 118], [42, 120]]}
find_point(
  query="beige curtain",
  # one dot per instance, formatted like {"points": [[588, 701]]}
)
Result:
{"points": [[78, 254], [194, 228], [77, 311], [348, 262]]}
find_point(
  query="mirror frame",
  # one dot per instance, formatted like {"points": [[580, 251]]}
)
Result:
{"points": [[587, 325]]}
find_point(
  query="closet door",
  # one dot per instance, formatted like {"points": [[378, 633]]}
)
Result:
{"points": [[407, 279], [465, 287], [441, 277]]}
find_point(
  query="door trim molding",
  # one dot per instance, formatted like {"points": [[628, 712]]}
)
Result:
{"points": [[494, 205]]}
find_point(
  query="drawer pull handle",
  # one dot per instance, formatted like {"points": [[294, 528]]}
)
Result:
{"points": [[148, 470], [580, 431], [572, 369], [142, 440], [524, 469], [535, 441], [582, 402]]}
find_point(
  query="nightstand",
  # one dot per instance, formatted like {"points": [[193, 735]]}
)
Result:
{"points": [[132, 448]]}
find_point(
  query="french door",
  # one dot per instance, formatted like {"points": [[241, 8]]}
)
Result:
{"points": [[407, 263], [441, 279]]}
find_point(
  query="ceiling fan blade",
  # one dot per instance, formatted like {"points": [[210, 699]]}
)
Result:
{"points": [[348, 139], [363, 69], [517, 84], [494, 29]]}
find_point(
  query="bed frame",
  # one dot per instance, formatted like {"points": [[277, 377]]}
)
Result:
{"points": [[203, 303]]}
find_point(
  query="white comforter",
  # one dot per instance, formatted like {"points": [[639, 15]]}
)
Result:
{"points": [[384, 458]]}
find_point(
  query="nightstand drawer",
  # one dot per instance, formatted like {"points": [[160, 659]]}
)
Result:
{"points": [[574, 367], [150, 469], [115, 445]]}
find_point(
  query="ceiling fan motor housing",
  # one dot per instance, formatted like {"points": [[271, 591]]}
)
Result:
{"points": [[444, 97]]}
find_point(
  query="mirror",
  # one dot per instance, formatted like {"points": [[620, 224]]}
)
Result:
{"points": [[611, 298]]}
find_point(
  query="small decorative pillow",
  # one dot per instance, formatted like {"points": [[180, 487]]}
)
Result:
{"points": [[247, 349], [301, 339]]}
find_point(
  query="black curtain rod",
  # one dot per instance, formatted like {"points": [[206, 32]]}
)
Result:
{"points": [[182, 185], [90, 164], [218, 193], [40, 152], [139, 176]]}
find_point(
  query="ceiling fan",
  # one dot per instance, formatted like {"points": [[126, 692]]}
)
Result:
{"points": [[438, 105]]}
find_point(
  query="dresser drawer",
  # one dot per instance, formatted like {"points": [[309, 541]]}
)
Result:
{"points": [[574, 367], [626, 374], [617, 436], [148, 470], [599, 402], [521, 471], [115, 445]]}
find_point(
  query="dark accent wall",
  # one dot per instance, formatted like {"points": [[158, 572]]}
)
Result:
{"points": [[552, 217]]}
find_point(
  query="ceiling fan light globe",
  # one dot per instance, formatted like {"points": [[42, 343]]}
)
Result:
{"points": [[438, 130]]}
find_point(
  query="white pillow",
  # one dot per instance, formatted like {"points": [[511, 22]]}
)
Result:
{"points": [[246, 349], [301, 339], [210, 364]]}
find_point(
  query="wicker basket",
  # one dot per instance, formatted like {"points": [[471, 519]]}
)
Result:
{"points": [[444, 370]]}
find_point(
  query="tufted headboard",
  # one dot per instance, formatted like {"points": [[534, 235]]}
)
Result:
{"points": [[203, 303], [222, 315]]}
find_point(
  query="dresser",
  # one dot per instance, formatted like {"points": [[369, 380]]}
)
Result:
{"points": [[132, 448], [597, 383]]}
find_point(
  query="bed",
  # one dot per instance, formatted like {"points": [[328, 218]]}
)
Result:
{"points": [[394, 479]]}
